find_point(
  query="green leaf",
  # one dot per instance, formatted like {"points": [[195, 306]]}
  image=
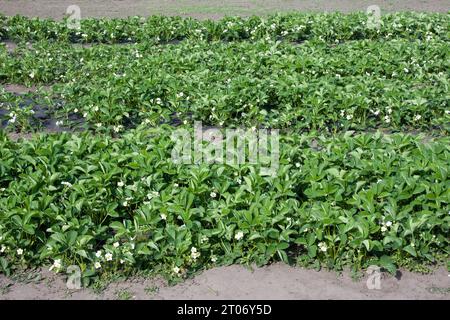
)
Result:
{"points": [[410, 250], [312, 251], [387, 263]]}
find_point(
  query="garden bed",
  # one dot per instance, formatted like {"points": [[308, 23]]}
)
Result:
{"points": [[107, 197]]}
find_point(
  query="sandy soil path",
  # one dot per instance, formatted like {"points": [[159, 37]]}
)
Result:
{"points": [[278, 281], [206, 9]]}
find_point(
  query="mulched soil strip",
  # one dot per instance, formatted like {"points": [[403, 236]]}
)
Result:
{"points": [[43, 117]]}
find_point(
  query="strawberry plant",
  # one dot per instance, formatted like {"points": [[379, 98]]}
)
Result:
{"points": [[364, 149], [359, 199]]}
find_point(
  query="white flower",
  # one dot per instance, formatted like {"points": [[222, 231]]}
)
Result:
{"points": [[19, 251], [56, 265], [32, 75], [323, 246], [213, 258], [96, 108], [406, 70], [239, 235], [120, 184], [116, 244], [176, 270], [412, 244], [349, 117], [98, 125], [387, 119], [3, 248], [59, 123], [85, 115], [122, 261], [175, 185], [389, 110], [67, 184], [75, 110], [163, 216], [125, 203], [376, 112], [152, 194], [383, 229], [213, 194], [417, 117], [297, 165], [98, 254], [389, 223], [204, 239], [194, 253], [108, 256], [97, 265]]}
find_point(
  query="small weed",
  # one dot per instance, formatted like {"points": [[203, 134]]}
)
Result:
{"points": [[124, 294], [152, 290]]}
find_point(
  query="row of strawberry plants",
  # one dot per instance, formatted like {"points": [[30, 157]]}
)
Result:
{"points": [[357, 85], [292, 27], [122, 204]]}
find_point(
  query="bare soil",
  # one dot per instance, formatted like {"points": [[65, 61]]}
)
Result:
{"points": [[277, 281], [212, 9]]}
